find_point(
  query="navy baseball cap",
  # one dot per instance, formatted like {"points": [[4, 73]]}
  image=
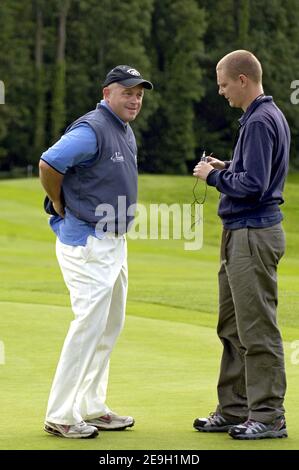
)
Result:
{"points": [[48, 204], [126, 76]]}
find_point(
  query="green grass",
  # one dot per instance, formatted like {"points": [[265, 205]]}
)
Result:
{"points": [[164, 368]]}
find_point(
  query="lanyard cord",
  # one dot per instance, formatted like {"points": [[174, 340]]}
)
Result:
{"points": [[197, 201]]}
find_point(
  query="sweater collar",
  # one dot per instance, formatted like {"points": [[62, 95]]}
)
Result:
{"points": [[252, 107]]}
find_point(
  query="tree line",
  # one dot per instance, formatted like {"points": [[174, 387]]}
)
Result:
{"points": [[55, 54]]}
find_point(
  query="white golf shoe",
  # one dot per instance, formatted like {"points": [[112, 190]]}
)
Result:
{"points": [[74, 431], [111, 422]]}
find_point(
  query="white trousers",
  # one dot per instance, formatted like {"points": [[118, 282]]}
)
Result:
{"points": [[97, 277]]}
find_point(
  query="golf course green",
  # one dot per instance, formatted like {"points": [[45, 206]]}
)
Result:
{"points": [[165, 365]]}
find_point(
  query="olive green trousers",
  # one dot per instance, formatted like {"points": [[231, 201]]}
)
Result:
{"points": [[252, 381]]}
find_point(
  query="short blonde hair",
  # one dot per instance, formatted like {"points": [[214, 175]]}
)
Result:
{"points": [[241, 62]]}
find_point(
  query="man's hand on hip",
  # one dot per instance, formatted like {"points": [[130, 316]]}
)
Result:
{"points": [[58, 208]]}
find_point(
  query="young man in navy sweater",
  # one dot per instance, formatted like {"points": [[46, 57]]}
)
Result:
{"points": [[252, 382]]}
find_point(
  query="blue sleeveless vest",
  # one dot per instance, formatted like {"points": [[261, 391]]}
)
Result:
{"points": [[106, 189]]}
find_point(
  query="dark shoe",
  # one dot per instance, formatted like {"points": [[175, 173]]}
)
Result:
{"points": [[214, 423], [255, 430]]}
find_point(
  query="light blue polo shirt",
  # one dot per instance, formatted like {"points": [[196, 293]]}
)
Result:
{"points": [[77, 147]]}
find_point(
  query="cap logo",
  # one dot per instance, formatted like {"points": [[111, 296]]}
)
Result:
{"points": [[133, 72]]}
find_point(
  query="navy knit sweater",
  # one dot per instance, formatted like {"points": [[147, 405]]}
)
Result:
{"points": [[252, 185]]}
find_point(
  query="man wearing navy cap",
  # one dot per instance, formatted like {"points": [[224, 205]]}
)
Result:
{"points": [[90, 177]]}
